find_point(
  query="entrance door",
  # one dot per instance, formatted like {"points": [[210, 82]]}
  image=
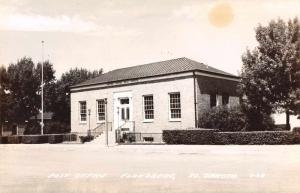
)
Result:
{"points": [[123, 111]]}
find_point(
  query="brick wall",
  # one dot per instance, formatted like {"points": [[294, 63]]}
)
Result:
{"points": [[160, 91], [205, 86]]}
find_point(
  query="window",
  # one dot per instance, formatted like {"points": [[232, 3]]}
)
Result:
{"points": [[213, 100], [82, 105], [148, 107], [125, 113], [225, 99], [124, 101], [175, 107], [101, 110]]}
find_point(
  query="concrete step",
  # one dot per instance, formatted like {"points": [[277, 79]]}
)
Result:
{"points": [[101, 139]]}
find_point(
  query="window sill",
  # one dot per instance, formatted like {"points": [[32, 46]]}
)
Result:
{"points": [[174, 120], [100, 122], [148, 121], [83, 123]]}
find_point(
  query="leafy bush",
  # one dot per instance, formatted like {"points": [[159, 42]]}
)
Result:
{"points": [[234, 119], [256, 138], [84, 139], [193, 136], [223, 118], [209, 137], [296, 130], [129, 137], [256, 120]]}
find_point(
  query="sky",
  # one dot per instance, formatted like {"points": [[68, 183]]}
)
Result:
{"points": [[113, 34]]}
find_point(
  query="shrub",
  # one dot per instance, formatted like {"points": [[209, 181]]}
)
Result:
{"points": [[223, 118], [84, 139], [296, 130], [256, 138], [55, 139], [211, 136], [14, 139], [193, 136], [34, 139], [129, 137], [256, 120]]}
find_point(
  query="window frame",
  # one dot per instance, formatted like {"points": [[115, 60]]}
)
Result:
{"points": [[80, 114], [97, 110], [215, 101], [225, 96], [144, 110], [170, 112]]}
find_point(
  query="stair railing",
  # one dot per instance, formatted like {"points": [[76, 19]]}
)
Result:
{"points": [[100, 129]]}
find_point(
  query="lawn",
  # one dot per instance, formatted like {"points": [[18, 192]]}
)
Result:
{"points": [[66, 168]]}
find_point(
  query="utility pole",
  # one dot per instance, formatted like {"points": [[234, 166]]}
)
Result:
{"points": [[106, 126], [42, 93]]}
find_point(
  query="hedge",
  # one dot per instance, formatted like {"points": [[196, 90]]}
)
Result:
{"points": [[34, 139], [55, 139], [3, 140], [14, 139], [197, 136], [256, 138], [210, 137]]}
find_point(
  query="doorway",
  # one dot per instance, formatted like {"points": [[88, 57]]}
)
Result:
{"points": [[123, 111]]}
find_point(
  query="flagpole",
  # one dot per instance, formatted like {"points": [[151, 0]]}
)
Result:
{"points": [[42, 93]]}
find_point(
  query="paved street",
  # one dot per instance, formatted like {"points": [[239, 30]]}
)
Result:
{"points": [[78, 168]]}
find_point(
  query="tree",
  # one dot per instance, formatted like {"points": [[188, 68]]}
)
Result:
{"points": [[4, 95], [49, 85], [271, 72], [24, 87], [70, 78], [23, 90]]}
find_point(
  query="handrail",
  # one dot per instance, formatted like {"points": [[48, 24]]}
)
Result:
{"points": [[99, 129], [98, 126]]}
